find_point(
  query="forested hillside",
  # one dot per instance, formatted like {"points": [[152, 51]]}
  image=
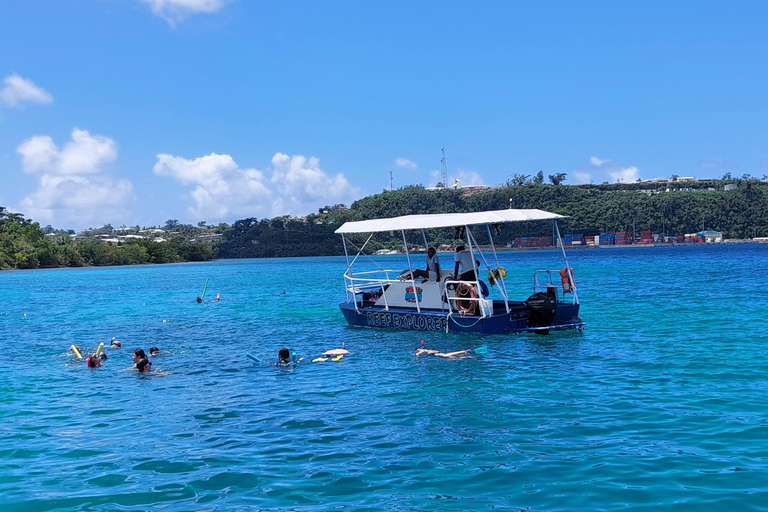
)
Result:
{"points": [[24, 245], [675, 208]]}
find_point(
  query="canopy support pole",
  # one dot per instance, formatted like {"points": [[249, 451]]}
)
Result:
{"points": [[349, 269], [500, 280], [567, 265], [413, 282]]}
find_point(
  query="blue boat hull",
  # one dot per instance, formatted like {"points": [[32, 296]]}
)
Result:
{"points": [[516, 321]]}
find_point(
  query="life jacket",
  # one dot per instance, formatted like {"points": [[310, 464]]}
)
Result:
{"points": [[566, 280], [467, 307]]}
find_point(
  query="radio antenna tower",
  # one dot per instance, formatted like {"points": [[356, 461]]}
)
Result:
{"points": [[443, 171], [391, 181]]}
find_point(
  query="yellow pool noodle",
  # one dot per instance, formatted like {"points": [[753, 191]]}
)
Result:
{"points": [[337, 357], [319, 359], [98, 350], [79, 356]]}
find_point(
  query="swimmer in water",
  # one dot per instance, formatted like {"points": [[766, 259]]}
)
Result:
{"points": [[115, 343], [93, 361], [143, 364], [420, 351], [335, 352], [154, 351], [284, 356], [199, 299], [218, 296]]}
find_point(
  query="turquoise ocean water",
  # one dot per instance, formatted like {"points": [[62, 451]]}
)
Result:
{"points": [[661, 404]]}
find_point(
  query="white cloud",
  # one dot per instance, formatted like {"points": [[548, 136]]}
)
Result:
{"points": [[612, 170], [174, 11], [404, 162], [72, 184], [86, 154], [468, 178], [596, 161], [18, 90], [223, 190], [581, 178], [625, 175]]}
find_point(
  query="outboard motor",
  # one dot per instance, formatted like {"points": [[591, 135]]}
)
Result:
{"points": [[542, 307]]}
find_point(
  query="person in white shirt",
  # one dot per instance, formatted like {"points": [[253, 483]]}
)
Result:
{"points": [[463, 259], [433, 267]]}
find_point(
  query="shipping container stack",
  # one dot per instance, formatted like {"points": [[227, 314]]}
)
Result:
{"points": [[577, 239], [621, 238], [646, 237], [607, 238]]}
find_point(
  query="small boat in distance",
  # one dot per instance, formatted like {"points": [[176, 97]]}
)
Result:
{"points": [[395, 299]]}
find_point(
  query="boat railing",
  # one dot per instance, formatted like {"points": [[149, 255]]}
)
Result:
{"points": [[452, 300], [545, 280], [355, 284]]}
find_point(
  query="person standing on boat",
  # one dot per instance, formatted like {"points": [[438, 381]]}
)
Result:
{"points": [[463, 259], [433, 267]]}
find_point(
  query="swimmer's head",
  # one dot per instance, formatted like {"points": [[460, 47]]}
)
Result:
{"points": [[93, 361], [103, 355], [284, 354], [154, 351], [138, 355], [116, 343], [144, 365]]}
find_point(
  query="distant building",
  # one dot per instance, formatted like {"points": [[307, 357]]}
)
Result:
{"points": [[710, 237], [210, 237], [730, 186]]}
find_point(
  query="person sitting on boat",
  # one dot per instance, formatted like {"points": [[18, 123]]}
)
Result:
{"points": [[463, 259], [143, 364], [420, 351], [433, 268]]}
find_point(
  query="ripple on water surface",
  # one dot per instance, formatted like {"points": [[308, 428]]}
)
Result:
{"points": [[660, 403]]}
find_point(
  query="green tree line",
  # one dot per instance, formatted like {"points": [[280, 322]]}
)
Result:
{"points": [[24, 245], [675, 208]]}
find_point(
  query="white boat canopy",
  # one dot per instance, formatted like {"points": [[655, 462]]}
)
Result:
{"points": [[446, 220]]}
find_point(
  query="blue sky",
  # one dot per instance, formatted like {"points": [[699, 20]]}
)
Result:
{"points": [[138, 111]]}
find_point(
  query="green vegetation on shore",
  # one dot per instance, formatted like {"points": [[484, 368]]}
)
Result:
{"points": [[674, 207], [24, 245]]}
